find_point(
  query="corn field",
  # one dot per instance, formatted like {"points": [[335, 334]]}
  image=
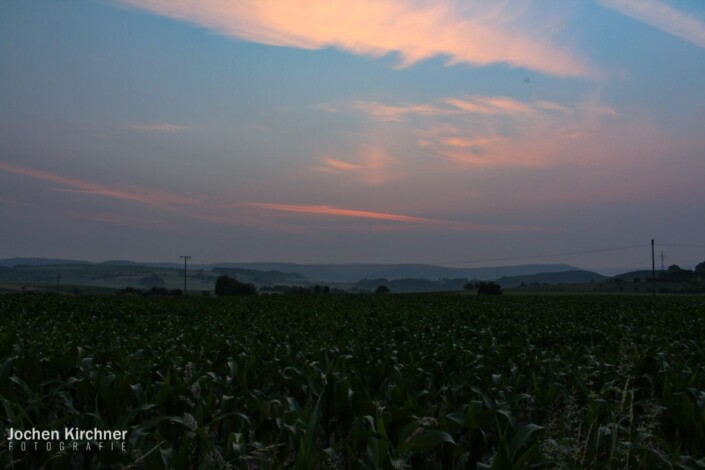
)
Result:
{"points": [[357, 381]]}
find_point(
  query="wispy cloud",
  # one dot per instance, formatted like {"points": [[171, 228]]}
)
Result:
{"points": [[151, 197], [158, 127], [195, 208], [331, 164], [338, 212], [661, 16], [481, 130], [372, 164], [396, 112], [450, 106], [224, 212], [480, 33], [502, 105]]}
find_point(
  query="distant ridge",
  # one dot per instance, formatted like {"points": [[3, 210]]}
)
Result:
{"points": [[10, 262], [566, 277], [339, 273], [121, 262], [356, 272]]}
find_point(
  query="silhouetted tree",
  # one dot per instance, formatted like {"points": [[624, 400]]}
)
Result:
{"points": [[225, 285], [382, 290], [489, 288], [677, 274], [620, 283], [152, 281], [129, 291]]}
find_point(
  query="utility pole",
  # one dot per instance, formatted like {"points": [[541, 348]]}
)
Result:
{"points": [[58, 283], [185, 258], [653, 269]]}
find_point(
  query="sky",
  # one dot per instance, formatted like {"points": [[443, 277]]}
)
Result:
{"points": [[460, 133]]}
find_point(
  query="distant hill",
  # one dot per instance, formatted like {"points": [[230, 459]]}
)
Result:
{"points": [[643, 275], [120, 262], [458, 284], [565, 277], [258, 277], [10, 262], [411, 285], [672, 280], [356, 272], [118, 274]]}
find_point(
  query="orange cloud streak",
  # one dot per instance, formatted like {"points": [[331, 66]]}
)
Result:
{"points": [[326, 210], [480, 33], [222, 213], [332, 164], [335, 211], [192, 208], [152, 198]]}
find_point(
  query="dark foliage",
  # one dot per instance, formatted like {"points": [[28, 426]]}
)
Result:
{"points": [[489, 288], [225, 285]]}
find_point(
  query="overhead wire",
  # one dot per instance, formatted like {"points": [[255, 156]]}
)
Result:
{"points": [[545, 255], [522, 258]]}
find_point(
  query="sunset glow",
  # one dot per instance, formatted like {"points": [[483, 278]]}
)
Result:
{"points": [[331, 131]]}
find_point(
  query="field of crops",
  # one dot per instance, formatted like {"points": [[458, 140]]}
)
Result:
{"points": [[366, 381]]}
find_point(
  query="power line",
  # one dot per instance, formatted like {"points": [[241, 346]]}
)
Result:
{"points": [[676, 245], [545, 255], [512, 258]]}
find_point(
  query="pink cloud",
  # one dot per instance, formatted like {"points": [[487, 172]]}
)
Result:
{"points": [[195, 208], [387, 112], [151, 198], [451, 106], [482, 33], [224, 212], [337, 212], [371, 164], [489, 130], [463, 143], [331, 164], [491, 105]]}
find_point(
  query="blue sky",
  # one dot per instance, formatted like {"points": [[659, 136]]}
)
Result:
{"points": [[385, 131]]}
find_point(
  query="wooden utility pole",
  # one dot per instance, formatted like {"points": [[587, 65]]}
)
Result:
{"points": [[653, 269], [185, 258]]}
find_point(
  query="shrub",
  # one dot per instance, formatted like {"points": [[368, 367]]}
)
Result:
{"points": [[489, 288], [225, 285]]}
